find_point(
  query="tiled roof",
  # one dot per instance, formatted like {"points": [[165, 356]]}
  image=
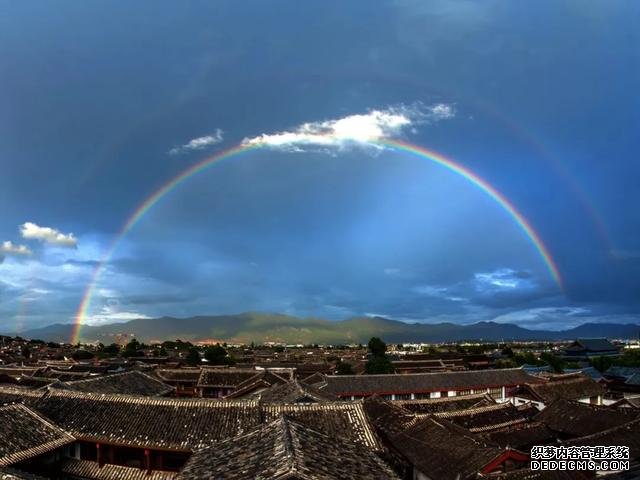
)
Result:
{"points": [[294, 392], [92, 471], [22, 370], [155, 422], [487, 418], [627, 434], [629, 402], [13, 474], [444, 451], [25, 434], [132, 382], [596, 344], [389, 418], [425, 382], [14, 394], [447, 404], [185, 424], [284, 448], [226, 377], [570, 387], [579, 419], [336, 419], [179, 374], [522, 436]]}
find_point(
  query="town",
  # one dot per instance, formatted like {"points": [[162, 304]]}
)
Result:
{"points": [[178, 410]]}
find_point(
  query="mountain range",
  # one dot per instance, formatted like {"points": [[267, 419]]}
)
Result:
{"points": [[266, 327]]}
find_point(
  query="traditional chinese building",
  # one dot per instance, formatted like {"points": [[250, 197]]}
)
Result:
{"points": [[500, 384]]}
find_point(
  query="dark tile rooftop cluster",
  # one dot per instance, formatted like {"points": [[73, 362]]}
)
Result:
{"points": [[91, 470], [295, 392], [183, 424], [570, 387], [447, 404], [578, 419], [487, 418], [166, 423], [186, 375], [284, 448], [425, 382], [523, 436], [226, 377], [627, 434], [24, 434], [132, 382], [13, 474], [253, 386], [343, 420], [443, 450]]}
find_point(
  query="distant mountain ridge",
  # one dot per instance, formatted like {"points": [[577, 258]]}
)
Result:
{"points": [[266, 327]]}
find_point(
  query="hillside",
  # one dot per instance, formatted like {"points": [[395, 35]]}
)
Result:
{"points": [[264, 327]]}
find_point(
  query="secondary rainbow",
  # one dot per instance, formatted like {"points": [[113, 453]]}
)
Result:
{"points": [[233, 152]]}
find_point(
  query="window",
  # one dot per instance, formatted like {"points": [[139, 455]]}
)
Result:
{"points": [[496, 392], [464, 392]]}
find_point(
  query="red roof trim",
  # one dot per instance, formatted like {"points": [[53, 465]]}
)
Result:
{"points": [[504, 456]]}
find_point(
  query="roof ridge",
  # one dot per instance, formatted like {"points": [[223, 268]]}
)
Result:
{"points": [[471, 411], [146, 400], [288, 439], [100, 377], [444, 399], [457, 372], [604, 432]]}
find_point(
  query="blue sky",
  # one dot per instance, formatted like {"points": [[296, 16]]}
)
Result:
{"points": [[104, 102]]}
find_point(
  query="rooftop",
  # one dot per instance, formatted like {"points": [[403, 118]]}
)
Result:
{"points": [[425, 382], [25, 435], [283, 449], [132, 382], [579, 419]]}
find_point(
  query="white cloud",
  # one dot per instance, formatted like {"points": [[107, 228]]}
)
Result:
{"points": [[358, 130], [31, 231], [199, 143], [440, 111], [109, 315], [10, 248], [437, 292], [502, 279]]}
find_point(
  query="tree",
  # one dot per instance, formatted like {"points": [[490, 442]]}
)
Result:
{"points": [[601, 364], [216, 355], [378, 362], [507, 351], [193, 356], [376, 346], [554, 362], [526, 358], [344, 368], [378, 365], [110, 350], [82, 355], [132, 349], [26, 352]]}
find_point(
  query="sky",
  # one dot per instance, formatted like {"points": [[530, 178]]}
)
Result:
{"points": [[103, 103]]}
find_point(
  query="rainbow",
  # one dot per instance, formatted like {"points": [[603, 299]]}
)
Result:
{"points": [[235, 151]]}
